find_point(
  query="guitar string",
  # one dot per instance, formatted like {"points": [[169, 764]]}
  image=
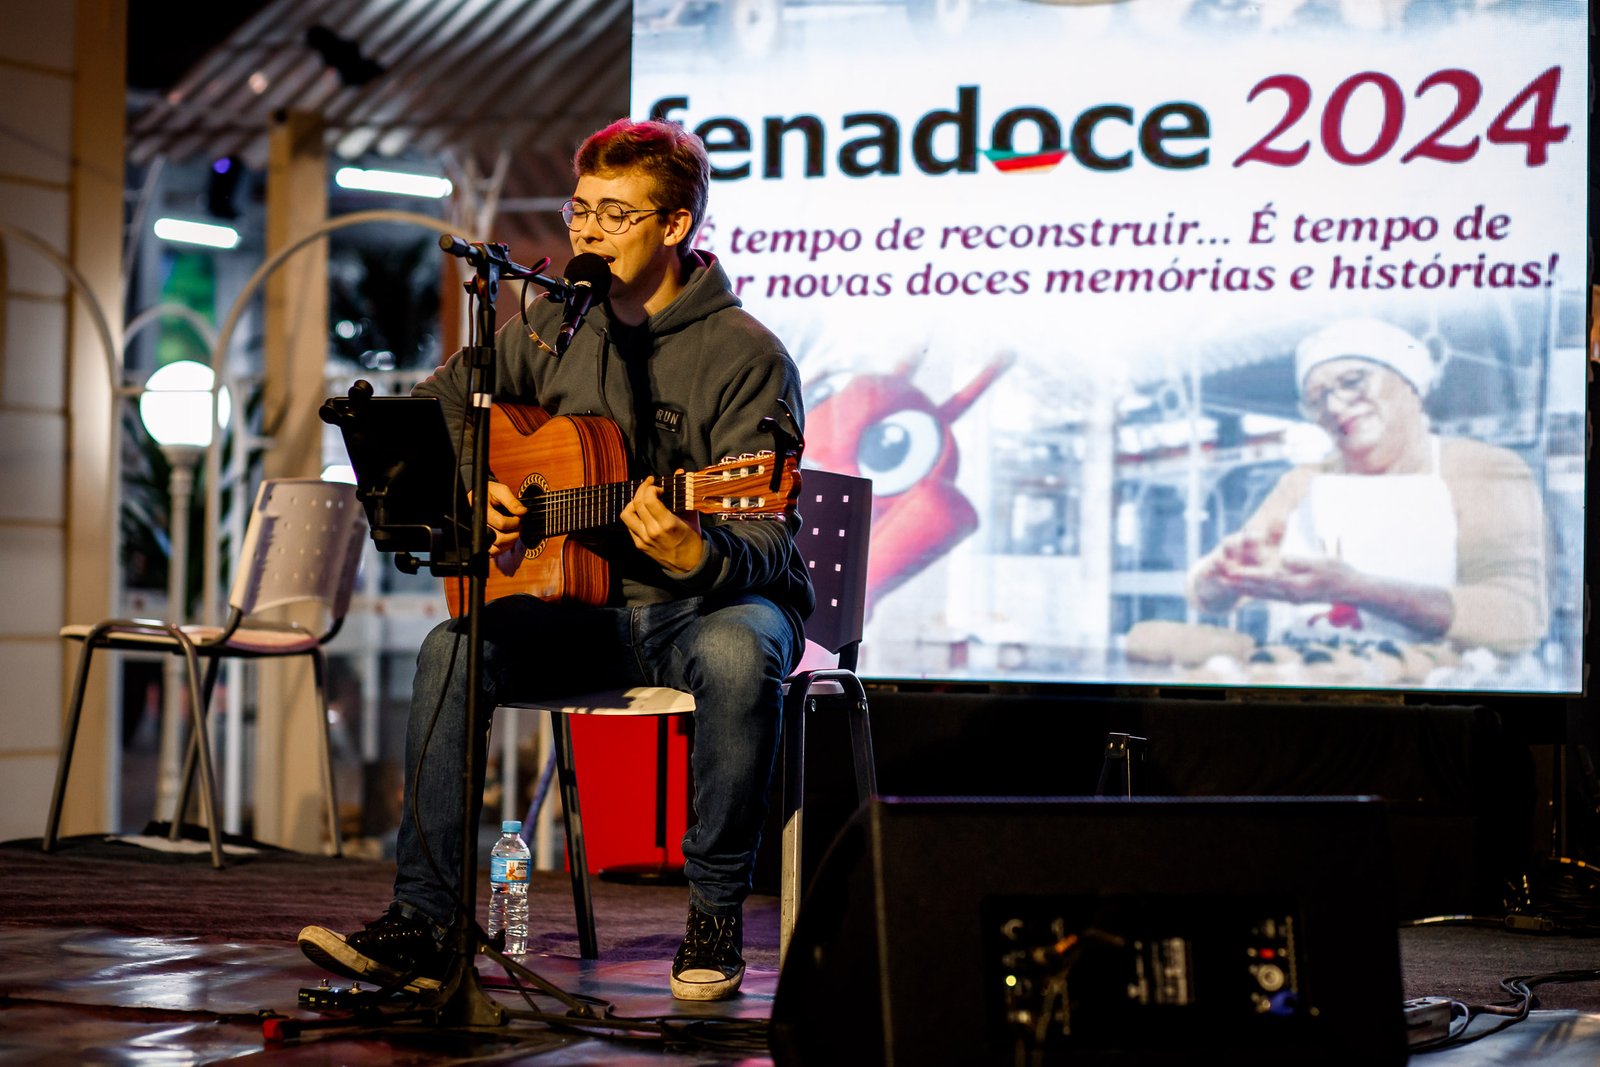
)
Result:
{"points": [[587, 506], [582, 507]]}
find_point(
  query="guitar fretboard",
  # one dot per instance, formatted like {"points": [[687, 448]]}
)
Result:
{"points": [[556, 512], [587, 507]]}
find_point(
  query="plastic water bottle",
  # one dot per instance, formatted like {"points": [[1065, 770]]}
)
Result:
{"points": [[509, 862]]}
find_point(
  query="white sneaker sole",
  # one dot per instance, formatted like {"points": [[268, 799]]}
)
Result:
{"points": [[705, 984], [331, 952]]}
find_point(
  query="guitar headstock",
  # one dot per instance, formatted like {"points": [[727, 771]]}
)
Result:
{"points": [[740, 487]]}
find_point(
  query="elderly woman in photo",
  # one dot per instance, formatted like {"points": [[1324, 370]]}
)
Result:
{"points": [[1397, 533]]}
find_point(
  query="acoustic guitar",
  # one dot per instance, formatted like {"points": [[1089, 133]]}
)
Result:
{"points": [[571, 472]]}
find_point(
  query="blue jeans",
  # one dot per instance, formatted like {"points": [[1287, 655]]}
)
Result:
{"points": [[731, 654]]}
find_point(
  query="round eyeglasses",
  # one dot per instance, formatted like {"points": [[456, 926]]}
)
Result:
{"points": [[1349, 387], [614, 218]]}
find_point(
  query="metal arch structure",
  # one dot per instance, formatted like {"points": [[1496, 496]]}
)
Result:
{"points": [[211, 564], [115, 354], [217, 341], [183, 312], [80, 285]]}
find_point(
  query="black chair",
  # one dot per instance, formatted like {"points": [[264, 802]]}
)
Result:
{"points": [[836, 510]]}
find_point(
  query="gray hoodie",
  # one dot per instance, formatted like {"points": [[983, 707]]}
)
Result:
{"points": [[687, 388]]}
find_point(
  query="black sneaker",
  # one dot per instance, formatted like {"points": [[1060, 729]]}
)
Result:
{"points": [[709, 964], [398, 947]]}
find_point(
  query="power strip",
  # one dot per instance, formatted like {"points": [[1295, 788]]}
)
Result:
{"points": [[1427, 1020]]}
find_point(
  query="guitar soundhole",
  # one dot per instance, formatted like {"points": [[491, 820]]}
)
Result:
{"points": [[532, 533]]}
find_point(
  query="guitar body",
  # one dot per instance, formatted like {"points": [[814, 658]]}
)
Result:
{"points": [[535, 454], [571, 472]]}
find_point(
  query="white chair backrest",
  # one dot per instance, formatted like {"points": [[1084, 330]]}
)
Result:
{"points": [[303, 544], [835, 521]]}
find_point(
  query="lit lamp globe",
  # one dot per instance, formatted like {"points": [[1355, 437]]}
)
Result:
{"points": [[176, 408]]}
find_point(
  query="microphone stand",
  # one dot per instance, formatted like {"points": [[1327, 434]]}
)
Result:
{"points": [[407, 516], [462, 1001]]}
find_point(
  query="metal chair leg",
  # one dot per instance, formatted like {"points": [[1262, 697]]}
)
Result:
{"points": [[582, 899], [199, 745], [319, 672], [541, 792], [861, 748], [180, 810], [794, 788], [797, 704], [69, 741]]}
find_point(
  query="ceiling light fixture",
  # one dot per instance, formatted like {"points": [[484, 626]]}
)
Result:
{"points": [[189, 232], [392, 181]]}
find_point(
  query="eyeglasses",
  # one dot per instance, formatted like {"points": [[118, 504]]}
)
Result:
{"points": [[614, 218], [1349, 387]]}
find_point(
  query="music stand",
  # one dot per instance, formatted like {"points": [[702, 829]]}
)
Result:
{"points": [[406, 475]]}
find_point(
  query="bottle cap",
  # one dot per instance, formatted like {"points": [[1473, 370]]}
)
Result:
{"points": [[511, 826]]}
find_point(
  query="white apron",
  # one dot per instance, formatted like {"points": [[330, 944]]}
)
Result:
{"points": [[1400, 526]]}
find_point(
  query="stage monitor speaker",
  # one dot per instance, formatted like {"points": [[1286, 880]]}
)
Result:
{"points": [[1122, 931]]}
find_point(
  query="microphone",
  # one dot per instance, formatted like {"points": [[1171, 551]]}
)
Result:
{"points": [[484, 253], [588, 282]]}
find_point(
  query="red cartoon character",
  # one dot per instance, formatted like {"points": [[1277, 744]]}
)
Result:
{"points": [[883, 427]]}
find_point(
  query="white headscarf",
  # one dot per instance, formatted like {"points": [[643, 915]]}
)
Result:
{"points": [[1370, 339]]}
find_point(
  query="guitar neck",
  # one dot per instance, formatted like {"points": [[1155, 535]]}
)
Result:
{"points": [[588, 507]]}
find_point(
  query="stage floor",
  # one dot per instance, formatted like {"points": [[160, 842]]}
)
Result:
{"points": [[182, 964]]}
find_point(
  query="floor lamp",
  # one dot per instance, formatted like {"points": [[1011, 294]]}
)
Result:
{"points": [[176, 409]]}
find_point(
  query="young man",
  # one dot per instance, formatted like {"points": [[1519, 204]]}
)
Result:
{"points": [[715, 608]]}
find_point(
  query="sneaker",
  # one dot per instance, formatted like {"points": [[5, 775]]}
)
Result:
{"points": [[399, 947], [709, 964]]}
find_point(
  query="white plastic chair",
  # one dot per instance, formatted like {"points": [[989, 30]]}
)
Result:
{"points": [[302, 545], [836, 511]]}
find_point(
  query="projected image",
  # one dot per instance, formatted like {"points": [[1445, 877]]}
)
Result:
{"points": [[884, 427], [758, 28], [1390, 530], [1184, 342]]}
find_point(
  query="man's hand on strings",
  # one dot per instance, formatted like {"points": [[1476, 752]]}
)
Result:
{"points": [[504, 516], [671, 540]]}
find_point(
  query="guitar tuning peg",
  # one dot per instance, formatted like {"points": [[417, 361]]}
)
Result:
{"points": [[765, 453], [747, 455]]}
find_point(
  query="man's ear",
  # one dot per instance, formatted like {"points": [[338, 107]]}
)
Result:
{"points": [[677, 226]]}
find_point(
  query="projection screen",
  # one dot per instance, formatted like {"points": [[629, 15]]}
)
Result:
{"points": [[1100, 295]]}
